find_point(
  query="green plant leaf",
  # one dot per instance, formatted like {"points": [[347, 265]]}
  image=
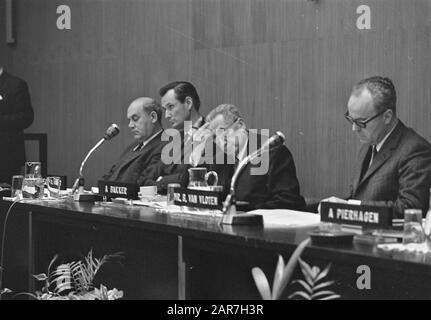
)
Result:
{"points": [[322, 293], [301, 294], [40, 276], [315, 271], [288, 270], [61, 278], [323, 274], [278, 275], [323, 285], [52, 262], [306, 286], [261, 283], [307, 272], [333, 297]]}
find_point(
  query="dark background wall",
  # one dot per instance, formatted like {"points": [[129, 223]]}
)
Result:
{"points": [[288, 64], [4, 53]]}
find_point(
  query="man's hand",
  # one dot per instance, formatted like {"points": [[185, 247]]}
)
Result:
{"points": [[203, 133], [331, 199], [200, 138]]}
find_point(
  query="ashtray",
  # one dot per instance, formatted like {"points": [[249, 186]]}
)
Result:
{"points": [[331, 237]]}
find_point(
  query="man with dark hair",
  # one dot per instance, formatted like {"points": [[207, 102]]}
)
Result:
{"points": [[16, 114], [394, 167], [181, 103], [139, 160]]}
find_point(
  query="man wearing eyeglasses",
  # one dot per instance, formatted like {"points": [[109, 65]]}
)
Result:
{"points": [[394, 163], [270, 182]]}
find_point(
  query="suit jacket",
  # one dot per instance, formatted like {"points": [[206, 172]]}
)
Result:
{"points": [[399, 175], [16, 114], [278, 188], [136, 166], [173, 172]]}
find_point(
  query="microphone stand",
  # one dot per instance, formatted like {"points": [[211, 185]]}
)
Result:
{"points": [[230, 215], [78, 186]]}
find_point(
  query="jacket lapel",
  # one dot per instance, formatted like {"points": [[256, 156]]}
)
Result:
{"points": [[385, 152], [132, 155]]}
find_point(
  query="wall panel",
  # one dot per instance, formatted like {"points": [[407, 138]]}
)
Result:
{"points": [[288, 64]]}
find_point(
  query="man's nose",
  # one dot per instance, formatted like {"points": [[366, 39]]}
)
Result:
{"points": [[131, 124], [167, 114], [355, 127]]}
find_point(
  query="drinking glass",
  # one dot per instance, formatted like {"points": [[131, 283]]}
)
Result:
{"points": [[53, 184], [33, 185], [16, 188], [413, 230]]}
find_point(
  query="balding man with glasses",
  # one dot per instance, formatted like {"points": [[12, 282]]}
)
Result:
{"points": [[394, 162]]}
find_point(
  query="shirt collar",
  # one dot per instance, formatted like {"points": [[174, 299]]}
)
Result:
{"points": [[380, 144], [190, 132], [144, 143], [198, 123]]}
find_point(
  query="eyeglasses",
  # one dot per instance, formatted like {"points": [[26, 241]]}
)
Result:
{"points": [[361, 123], [225, 131]]}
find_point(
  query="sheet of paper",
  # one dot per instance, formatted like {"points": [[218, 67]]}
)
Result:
{"points": [[284, 217]]}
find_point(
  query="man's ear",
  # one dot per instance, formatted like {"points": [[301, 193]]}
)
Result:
{"points": [[154, 117], [189, 103], [388, 116]]}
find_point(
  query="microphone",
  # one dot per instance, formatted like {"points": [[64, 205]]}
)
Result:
{"points": [[274, 141], [110, 133]]}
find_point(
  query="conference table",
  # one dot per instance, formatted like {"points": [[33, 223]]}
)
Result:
{"points": [[179, 256]]}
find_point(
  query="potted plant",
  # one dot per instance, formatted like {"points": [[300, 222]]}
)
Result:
{"points": [[74, 280], [314, 287]]}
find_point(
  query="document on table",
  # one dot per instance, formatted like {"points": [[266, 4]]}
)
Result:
{"points": [[290, 218]]}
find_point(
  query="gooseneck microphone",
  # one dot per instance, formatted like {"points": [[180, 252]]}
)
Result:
{"points": [[274, 141], [110, 133]]}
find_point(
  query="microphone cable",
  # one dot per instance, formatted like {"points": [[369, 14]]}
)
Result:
{"points": [[3, 244]]}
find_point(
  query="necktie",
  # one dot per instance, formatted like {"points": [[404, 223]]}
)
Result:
{"points": [[139, 146], [373, 155]]}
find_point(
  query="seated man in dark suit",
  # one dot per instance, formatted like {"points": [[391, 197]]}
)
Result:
{"points": [[139, 160], [394, 163], [269, 183], [181, 103]]}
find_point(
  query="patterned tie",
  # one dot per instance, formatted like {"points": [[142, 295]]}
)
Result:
{"points": [[373, 154], [139, 146]]}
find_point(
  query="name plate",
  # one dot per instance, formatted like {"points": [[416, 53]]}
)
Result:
{"points": [[118, 189], [378, 217], [204, 199]]}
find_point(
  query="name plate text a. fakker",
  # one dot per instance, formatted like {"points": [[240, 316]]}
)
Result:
{"points": [[118, 189], [205, 199], [368, 216]]}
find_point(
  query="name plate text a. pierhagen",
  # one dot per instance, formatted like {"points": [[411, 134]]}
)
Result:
{"points": [[379, 217]]}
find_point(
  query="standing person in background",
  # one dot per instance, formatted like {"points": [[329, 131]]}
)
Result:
{"points": [[16, 114]]}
